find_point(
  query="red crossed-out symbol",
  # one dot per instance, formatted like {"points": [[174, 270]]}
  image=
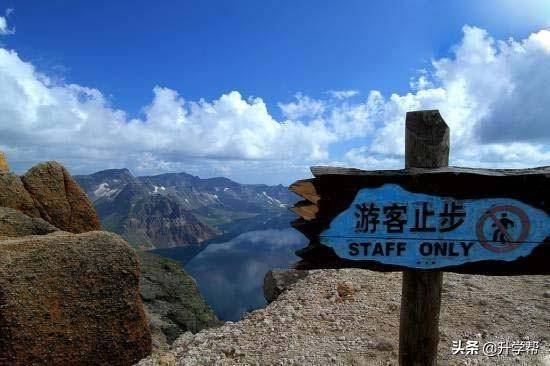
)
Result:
{"points": [[508, 242]]}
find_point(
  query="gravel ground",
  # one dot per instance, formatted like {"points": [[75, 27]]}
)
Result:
{"points": [[351, 317]]}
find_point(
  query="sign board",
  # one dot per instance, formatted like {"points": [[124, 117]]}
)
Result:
{"points": [[452, 219], [393, 226], [423, 220]]}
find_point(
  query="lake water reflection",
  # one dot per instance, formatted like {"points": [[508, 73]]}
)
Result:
{"points": [[230, 274]]}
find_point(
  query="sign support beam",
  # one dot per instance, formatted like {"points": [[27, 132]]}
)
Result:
{"points": [[426, 146]]}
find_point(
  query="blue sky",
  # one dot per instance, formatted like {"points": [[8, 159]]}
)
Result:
{"points": [[273, 76]]}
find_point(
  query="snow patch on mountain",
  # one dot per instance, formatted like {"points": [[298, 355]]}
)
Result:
{"points": [[158, 189], [272, 200], [103, 190]]}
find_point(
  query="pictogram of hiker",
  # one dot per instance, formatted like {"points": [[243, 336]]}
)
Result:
{"points": [[501, 232]]}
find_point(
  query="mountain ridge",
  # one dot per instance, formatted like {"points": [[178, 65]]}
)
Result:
{"points": [[176, 209]]}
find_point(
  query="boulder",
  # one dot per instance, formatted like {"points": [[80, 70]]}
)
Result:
{"points": [[69, 299], [172, 300], [14, 195], [277, 281], [14, 223], [59, 199], [4, 167]]}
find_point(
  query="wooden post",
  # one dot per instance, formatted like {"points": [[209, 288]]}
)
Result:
{"points": [[426, 146]]}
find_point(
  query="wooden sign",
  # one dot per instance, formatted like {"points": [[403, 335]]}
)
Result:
{"points": [[460, 220], [392, 226], [423, 220]]}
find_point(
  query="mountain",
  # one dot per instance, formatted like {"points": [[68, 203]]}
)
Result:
{"points": [[177, 209]]}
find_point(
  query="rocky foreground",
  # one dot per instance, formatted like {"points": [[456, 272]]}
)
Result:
{"points": [[71, 294], [67, 298], [351, 317]]}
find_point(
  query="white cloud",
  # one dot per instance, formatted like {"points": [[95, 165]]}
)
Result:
{"points": [[342, 94], [4, 29], [362, 157], [69, 121], [350, 120], [512, 155], [493, 94], [304, 106]]}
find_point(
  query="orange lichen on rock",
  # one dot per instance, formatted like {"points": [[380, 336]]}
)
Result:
{"points": [[64, 298], [48, 191], [14, 195], [71, 299], [59, 199], [4, 167]]}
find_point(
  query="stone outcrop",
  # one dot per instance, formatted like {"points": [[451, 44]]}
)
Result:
{"points": [[14, 223], [59, 199], [172, 300], [4, 167], [48, 191], [14, 195], [277, 281], [70, 299]]}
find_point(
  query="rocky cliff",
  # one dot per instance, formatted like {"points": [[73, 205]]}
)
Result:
{"points": [[172, 300]]}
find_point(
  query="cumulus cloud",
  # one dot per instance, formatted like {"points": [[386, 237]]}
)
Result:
{"points": [[73, 121], [304, 106], [362, 157], [493, 94], [350, 120]]}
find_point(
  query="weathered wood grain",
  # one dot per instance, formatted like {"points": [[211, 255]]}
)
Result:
{"points": [[306, 189], [427, 142], [306, 210], [336, 188]]}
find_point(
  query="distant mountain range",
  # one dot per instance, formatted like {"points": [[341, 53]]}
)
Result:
{"points": [[177, 209]]}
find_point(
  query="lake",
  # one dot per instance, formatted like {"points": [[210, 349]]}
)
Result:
{"points": [[230, 273]]}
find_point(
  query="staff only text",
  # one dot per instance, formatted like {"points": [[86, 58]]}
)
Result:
{"points": [[393, 226]]}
